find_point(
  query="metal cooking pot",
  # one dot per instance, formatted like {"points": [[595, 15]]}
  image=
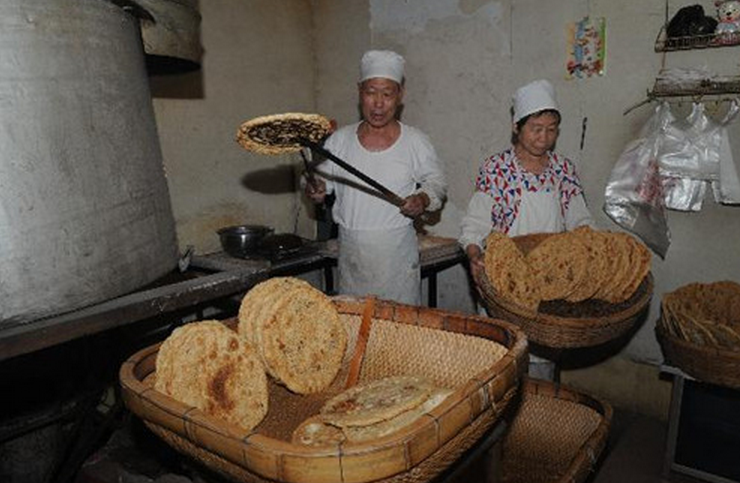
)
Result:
{"points": [[242, 240]]}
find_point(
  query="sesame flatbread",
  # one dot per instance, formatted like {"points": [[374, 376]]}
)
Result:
{"points": [[282, 133], [640, 262], [559, 264], [357, 434], [206, 365], [509, 273], [618, 256], [315, 432], [376, 401], [625, 279], [258, 301], [597, 274], [302, 340]]}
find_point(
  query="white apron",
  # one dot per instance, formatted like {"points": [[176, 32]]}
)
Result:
{"points": [[380, 262]]}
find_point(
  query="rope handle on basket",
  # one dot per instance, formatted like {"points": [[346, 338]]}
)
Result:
{"points": [[364, 334]]}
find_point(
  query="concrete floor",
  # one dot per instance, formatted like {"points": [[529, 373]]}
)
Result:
{"points": [[635, 452]]}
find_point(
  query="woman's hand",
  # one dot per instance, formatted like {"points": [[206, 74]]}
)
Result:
{"points": [[316, 190], [415, 205]]}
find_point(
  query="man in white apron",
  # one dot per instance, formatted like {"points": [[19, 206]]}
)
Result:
{"points": [[378, 247]]}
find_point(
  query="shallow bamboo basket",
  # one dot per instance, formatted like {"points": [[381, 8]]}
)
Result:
{"points": [[564, 325], [450, 348], [556, 436], [709, 364]]}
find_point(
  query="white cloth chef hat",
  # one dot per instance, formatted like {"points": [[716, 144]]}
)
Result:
{"points": [[534, 97], [382, 63]]}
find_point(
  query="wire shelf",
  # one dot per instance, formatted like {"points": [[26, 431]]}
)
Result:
{"points": [[663, 43]]}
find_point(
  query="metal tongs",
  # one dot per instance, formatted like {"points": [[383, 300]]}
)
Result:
{"points": [[388, 195]]}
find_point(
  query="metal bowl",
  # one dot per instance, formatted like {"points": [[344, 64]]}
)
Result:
{"points": [[243, 240]]}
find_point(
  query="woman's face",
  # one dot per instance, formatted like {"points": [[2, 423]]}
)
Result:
{"points": [[539, 134], [379, 101]]}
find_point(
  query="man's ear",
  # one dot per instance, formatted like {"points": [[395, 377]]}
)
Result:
{"points": [[514, 128]]}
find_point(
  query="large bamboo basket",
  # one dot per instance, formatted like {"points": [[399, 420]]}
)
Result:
{"points": [[705, 363], [556, 436], [441, 345], [564, 325]]}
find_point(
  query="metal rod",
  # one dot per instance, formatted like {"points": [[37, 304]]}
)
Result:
{"points": [[389, 195]]}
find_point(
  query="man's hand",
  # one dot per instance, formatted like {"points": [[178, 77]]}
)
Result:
{"points": [[316, 190], [476, 261], [415, 205]]}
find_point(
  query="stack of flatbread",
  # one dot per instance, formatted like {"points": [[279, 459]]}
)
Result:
{"points": [[706, 314], [208, 366], [370, 411], [573, 266], [296, 331], [287, 329]]}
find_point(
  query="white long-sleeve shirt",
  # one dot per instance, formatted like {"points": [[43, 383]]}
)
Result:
{"points": [[512, 200], [409, 166]]}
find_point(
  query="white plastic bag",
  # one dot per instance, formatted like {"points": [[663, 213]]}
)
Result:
{"points": [[727, 187], [634, 196]]}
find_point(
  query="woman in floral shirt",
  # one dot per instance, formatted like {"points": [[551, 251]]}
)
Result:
{"points": [[526, 188]]}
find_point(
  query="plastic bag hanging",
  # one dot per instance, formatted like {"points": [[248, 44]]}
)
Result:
{"points": [[727, 187], [634, 192], [689, 159], [681, 162]]}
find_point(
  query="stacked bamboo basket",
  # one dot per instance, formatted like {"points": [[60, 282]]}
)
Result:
{"points": [[443, 346], [556, 436], [565, 325]]}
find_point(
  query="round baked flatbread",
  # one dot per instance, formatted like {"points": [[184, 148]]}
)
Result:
{"points": [[618, 265], [258, 302], [315, 432], [509, 273], [376, 401], [640, 262], [301, 339], [282, 133], [596, 264], [559, 264], [206, 365], [357, 434]]}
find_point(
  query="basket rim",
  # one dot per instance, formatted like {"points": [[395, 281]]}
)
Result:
{"points": [[478, 395], [556, 320], [696, 348]]}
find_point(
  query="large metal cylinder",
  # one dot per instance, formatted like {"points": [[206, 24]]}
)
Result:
{"points": [[85, 211]]}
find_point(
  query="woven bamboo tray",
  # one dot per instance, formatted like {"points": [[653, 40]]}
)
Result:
{"points": [[455, 350], [564, 325], [556, 436], [708, 364]]}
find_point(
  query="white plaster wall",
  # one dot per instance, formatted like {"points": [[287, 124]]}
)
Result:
{"points": [[258, 60], [465, 58]]}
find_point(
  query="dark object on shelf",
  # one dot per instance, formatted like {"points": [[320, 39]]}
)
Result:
{"points": [[691, 21], [689, 28]]}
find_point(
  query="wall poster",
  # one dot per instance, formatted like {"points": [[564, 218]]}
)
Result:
{"points": [[586, 48]]}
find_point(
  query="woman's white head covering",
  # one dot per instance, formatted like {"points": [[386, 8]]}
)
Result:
{"points": [[534, 97], [382, 63]]}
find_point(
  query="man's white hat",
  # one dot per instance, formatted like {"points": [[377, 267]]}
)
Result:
{"points": [[382, 63], [534, 97]]}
